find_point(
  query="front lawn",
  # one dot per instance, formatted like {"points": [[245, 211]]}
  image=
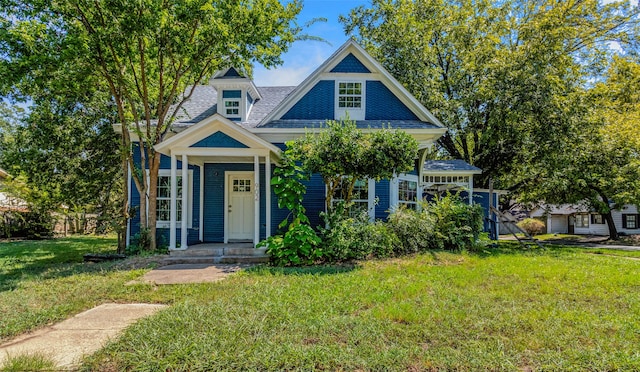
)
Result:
{"points": [[502, 309], [43, 282]]}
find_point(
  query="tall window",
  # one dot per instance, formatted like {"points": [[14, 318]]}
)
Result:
{"points": [[408, 193], [582, 220], [163, 207], [359, 195], [350, 95]]}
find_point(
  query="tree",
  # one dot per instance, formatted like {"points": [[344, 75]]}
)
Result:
{"points": [[498, 74], [343, 154], [600, 166], [65, 147], [148, 54]]}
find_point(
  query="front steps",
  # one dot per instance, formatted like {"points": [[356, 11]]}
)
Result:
{"points": [[218, 254]]}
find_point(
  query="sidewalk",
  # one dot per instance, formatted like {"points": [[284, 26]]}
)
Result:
{"points": [[85, 333]]}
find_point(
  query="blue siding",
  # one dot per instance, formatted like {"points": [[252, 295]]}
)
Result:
{"points": [[350, 64], [317, 104], [231, 94], [382, 104], [162, 234], [220, 139], [214, 179], [383, 195]]}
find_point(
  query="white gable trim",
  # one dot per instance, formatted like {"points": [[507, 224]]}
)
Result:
{"points": [[209, 126], [377, 72]]}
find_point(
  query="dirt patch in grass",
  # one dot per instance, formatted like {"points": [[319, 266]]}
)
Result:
{"points": [[141, 262]]}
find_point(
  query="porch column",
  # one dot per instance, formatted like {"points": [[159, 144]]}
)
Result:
{"points": [[256, 211], [185, 202], [174, 204], [470, 190], [267, 197], [201, 202]]}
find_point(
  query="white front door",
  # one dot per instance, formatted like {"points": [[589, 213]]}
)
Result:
{"points": [[241, 206]]}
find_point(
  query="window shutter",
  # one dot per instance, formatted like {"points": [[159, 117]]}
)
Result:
{"points": [[624, 221]]}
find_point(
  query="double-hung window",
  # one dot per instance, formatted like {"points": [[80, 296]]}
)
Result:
{"points": [[163, 204], [232, 108], [350, 100], [582, 220], [163, 198], [597, 219], [360, 196], [408, 193]]}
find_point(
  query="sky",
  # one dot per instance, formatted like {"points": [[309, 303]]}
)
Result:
{"points": [[305, 56]]}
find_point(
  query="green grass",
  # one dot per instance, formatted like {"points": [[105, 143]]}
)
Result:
{"points": [[502, 309], [29, 362], [42, 282]]}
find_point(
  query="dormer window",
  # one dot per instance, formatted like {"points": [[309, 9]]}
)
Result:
{"points": [[350, 100], [232, 107]]}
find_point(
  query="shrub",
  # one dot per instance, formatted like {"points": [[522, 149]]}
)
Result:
{"points": [[414, 230], [457, 225], [31, 224], [298, 244], [355, 238], [531, 226]]}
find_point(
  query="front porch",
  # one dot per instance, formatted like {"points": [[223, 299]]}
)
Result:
{"points": [[218, 253]]}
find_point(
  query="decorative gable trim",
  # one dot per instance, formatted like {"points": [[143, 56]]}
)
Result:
{"points": [[377, 72], [216, 126]]}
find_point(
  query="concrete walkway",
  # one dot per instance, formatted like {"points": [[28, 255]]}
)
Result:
{"points": [[189, 273], [85, 333]]}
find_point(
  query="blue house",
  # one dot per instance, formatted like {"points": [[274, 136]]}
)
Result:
{"points": [[214, 179]]}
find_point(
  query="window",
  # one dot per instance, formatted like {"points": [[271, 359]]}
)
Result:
{"points": [[597, 219], [582, 220], [232, 107], [359, 196], [163, 207], [243, 185], [630, 221], [350, 95], [163, 199], [408, 193]]}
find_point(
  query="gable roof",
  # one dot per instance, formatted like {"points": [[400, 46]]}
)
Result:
{"points": [[207, 127], [348, 51]]}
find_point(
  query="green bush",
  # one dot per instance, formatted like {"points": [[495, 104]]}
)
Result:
{"points": [[355, 238], [32, 224], [531, 226], [445, 223], [457, 225], [415, 230]]}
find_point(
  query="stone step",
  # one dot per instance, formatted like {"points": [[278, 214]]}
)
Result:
{"points": [[221, 251], [215, 259]]}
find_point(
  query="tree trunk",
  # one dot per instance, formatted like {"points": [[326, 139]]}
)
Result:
{"points": [[613, 231], [154, 166], [122, 228]]}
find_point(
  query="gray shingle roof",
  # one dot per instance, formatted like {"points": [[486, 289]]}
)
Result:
{"points": [[362, 124], [202, 104], [449, 166]]}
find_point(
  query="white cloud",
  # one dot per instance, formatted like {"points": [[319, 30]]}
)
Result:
{"points": [[301, 60]]}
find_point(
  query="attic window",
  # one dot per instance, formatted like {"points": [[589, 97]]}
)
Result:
{"points": [[350, 95], [232, 107]]}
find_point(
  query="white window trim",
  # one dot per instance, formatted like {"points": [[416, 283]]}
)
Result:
{"points": [[167, 173], [394, 189], [371, 198], [240, 107], [354, 113], [580, 217]]}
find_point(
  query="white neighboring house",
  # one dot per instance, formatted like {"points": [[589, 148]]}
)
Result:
{"points": [[8, 202], [579, 220]]}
